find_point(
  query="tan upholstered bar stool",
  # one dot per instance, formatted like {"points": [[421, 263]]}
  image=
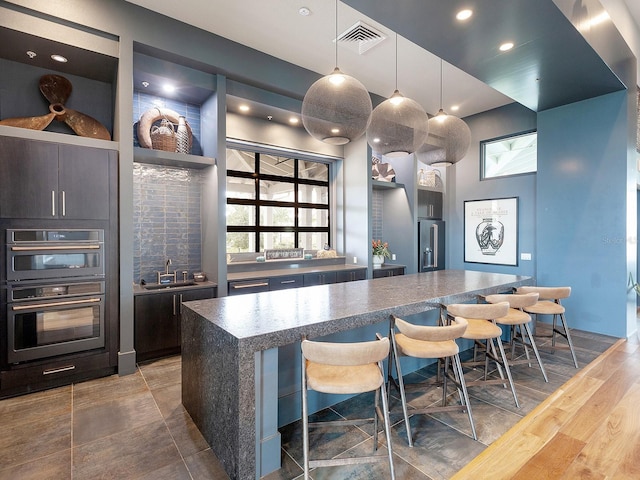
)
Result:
{"points": [[518, 322], [549, 303], [483, 330], [346, 368], [437, 342]]}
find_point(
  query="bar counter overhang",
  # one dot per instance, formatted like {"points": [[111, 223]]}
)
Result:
{"points": [[229, 349]]}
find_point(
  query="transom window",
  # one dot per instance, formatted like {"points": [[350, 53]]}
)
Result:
{"points": [[513, 155], [275, 202]]}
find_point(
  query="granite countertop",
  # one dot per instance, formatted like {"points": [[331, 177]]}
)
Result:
{"points": [[299, 269], [140, 290], [324, 309]]}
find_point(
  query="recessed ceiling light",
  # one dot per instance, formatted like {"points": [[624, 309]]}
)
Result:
{"points": [[454, 108], [167, 87], [464, 14], [293, 120], [31, 54], [506, 46], [59, 58], [244, 108], [304, 11], [145, 84]]}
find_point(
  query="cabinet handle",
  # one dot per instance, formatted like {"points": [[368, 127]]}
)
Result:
{"points": [[284, 282], [174, 304], [64, 203], [180, 308], [250, 285], [50, 371], [53, 203]]}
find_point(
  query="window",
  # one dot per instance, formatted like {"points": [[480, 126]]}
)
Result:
{"points": [[507, 156], [276, 202]]}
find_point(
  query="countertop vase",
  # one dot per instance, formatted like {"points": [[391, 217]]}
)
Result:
{"points": [[378, 260]]}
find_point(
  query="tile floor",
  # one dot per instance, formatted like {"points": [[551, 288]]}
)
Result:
{"points": [[134, 427]]}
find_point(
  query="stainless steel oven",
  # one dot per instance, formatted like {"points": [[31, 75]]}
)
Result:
{"points": [[51, 319], [41, 254]]}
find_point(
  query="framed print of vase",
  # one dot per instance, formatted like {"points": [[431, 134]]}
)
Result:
{"points": [[491, 231]]}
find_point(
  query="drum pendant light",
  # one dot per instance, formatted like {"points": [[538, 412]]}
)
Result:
{"points": [[337, 108], [399, 125], [450, 134]]}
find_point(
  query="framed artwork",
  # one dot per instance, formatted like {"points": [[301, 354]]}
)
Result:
{"points": [[491, 231]]}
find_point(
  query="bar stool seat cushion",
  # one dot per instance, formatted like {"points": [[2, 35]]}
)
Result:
{"points": [[546, 307], [514, 317], [481, 329], [411, 347], [343, 379]]}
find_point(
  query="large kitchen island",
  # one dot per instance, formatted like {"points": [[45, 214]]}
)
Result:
{"points": [[230, 349]]}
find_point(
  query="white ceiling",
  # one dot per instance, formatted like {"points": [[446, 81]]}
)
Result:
{"points": [[275, 27]]}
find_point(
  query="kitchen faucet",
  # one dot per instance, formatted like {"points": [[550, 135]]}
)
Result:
{"points": [[166, 277], [167, 266]]}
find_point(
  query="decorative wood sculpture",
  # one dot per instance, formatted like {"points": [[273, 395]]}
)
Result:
{"points": [[57, 89]]}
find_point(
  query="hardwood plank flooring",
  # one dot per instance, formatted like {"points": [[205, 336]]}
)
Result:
{"points": [[588, 429]]}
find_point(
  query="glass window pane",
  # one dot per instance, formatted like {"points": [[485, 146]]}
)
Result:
{"points": [[510, 156], [277, 216], [240, 242], [241, 188], [241, 215], [269, 240], [313, 194], [313, 217], [313, 241], [313, 170], [241, 161], [277, 191], [274, 165]]}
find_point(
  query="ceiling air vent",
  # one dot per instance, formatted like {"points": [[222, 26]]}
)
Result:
{"points": [[361, 37]]}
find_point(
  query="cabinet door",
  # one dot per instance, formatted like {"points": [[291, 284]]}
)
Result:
{"points": [[187, 296], [239, 287], [156, 325], [29, 178], [84, 179], [351, 275], [288, 281], [322, 278], [429, 204]]}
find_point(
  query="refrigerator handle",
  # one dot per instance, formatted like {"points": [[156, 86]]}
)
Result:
{"points": [[435, 245]]}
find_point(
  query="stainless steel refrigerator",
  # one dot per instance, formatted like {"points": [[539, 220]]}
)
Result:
{"points": [[430, 245]]}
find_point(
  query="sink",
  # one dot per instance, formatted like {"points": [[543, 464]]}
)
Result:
{"points": [[160, 286]]}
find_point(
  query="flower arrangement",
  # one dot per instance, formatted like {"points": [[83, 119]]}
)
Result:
{"points": [[380, 248]]}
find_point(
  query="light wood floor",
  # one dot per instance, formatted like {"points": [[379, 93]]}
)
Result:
{"points": [[587, 429]]}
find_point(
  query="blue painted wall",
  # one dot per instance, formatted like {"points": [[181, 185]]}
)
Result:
{"points": [[463, 183], [582, 211]]}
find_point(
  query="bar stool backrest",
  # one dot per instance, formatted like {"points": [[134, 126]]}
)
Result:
{"points": [[547, 293], [345, 354], [484, 311], [516, 300], [432, 333]]}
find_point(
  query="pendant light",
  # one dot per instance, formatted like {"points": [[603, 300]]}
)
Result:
{"points": [[337, 108], [399, 125], [449, 134]]}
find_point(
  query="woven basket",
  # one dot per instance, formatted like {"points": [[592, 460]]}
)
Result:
{"points": [[163, 137]]}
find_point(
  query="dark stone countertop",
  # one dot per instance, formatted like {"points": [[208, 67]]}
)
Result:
{"points": [[140, 290]]}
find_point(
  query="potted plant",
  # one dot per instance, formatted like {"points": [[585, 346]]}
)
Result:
{"points": [[380, 250]]}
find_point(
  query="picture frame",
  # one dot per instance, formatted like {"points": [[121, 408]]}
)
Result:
{"points": [[491, 231]]}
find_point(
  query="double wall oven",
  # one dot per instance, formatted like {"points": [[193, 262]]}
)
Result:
{"points": [[55, 292]]}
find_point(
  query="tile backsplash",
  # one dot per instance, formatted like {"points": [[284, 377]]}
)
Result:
{"points": [[166, 215]]}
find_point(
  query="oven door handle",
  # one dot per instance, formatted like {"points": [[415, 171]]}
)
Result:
{"points": [[55, 247], [55, 304]]}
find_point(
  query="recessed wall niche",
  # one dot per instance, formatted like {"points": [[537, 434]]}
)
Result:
{"points": [[166, 215]]}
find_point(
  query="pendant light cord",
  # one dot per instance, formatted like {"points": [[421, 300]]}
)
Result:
{"points": [[396, 60], [336, 37], [441, 84]]}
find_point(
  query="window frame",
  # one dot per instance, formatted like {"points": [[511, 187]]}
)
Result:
{"points": [[257, 229], [483, 146]]}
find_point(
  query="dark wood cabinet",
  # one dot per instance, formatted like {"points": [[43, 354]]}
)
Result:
{"points": [[351, 275], [388, 271], [287, 281], [429, 204], [44, 180], [157, 319], [240, 287], [320, 278]]}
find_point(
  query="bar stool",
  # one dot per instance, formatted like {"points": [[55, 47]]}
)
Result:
{"points": [[549, 304], [437, 342], [346, 368], [482, 328], [518, 322]]}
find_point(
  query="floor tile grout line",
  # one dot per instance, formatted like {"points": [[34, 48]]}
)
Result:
{"points": [[164, 421]]}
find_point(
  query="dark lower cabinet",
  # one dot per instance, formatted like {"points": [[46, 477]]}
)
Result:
{"points": [[319, 278], [157, 321], [388, 271], [351, 275]]}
